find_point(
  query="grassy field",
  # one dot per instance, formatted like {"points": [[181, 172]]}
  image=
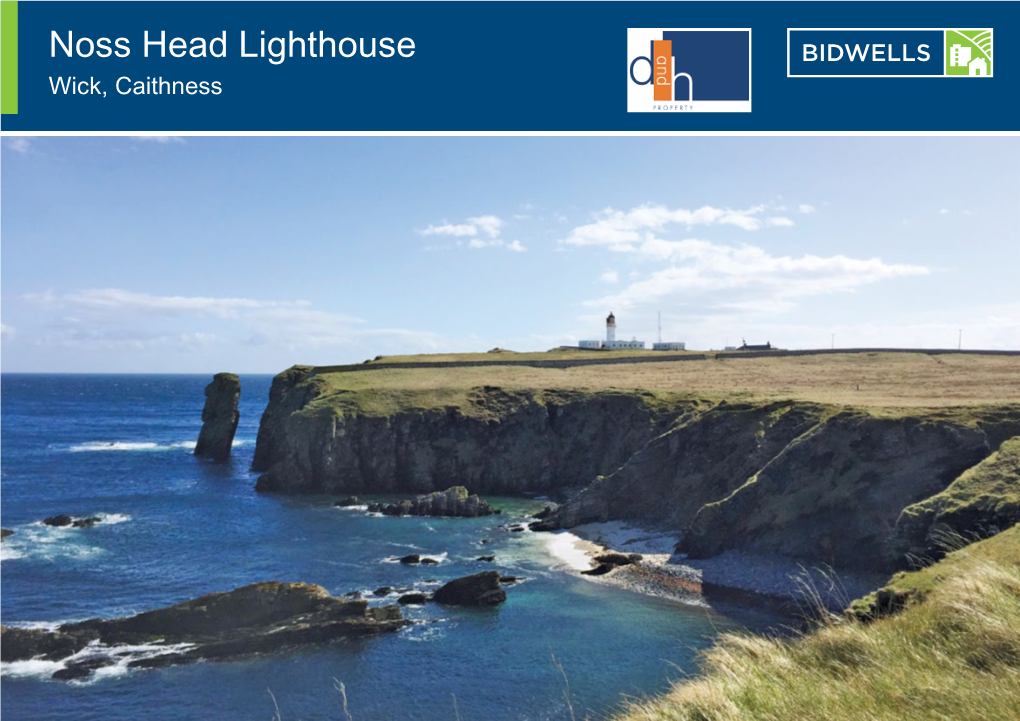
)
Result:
{"points": [[860, 379], [953, 654]]}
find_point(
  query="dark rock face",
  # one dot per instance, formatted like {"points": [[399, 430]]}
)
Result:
{"points": [[59, 521], [86, 522], [22, 644], [5, 532], [805, 481], [606, 562], [253, 619], [347, 502], [454, 501], [481, 589], [506, 443], [219, 417], [412, 559]]}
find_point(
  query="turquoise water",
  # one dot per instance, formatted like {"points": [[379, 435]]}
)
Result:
{"points": [[177, 527]]}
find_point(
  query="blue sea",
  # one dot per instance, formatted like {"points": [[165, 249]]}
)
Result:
{"points": [[176, 527]]}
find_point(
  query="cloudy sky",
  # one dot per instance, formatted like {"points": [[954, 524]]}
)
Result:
{"points": [[252, 254]]}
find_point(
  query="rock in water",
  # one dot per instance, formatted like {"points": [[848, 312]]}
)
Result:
{"points": [[454, 501], [253, 619], [5, 532], [219, 417], [481, 589]]}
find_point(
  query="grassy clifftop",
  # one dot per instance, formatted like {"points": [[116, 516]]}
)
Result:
{"points": [[856, 379], [952, 653]]}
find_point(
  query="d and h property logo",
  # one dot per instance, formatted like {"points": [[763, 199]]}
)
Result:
{"points": [[888, 52], [705, 70]]}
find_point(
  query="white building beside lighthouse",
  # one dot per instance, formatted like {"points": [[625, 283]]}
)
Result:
{"points": [[610, 343]]}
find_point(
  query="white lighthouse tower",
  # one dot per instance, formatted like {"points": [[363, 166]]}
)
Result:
{"points": [[610, 328]]}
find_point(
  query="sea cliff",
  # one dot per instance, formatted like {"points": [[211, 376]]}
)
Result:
{"points": [[855, 487]]}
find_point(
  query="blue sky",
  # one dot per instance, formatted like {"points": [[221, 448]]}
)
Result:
{"points": [[251, 254]]}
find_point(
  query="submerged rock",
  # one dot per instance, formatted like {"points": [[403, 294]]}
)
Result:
{"points": [[412, 599], [453, 502], [86, 522], [58, 521], [219, 417], [347, 502], [486, 559], [252, 619], [83, 668], [412, 559], [480, 589]]}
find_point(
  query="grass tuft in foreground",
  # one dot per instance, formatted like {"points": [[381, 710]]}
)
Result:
{"points": [[953, 653]]}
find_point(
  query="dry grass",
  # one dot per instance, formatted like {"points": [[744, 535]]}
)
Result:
{"points": [[955, 656], [867, 379]]}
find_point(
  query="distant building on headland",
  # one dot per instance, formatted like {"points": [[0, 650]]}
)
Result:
{"points": [[610, 343], [745, 346]]}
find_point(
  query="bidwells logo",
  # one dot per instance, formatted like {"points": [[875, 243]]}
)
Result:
{"points": [[688, 70], [888, 52]]}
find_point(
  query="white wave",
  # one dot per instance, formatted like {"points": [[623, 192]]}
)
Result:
{"points": [[36, 540], [9, 553], [438, 558], [121, 655], [572, 550], [113, 518], [352, 508], [34, 667], [135, 446], [38, 625]]}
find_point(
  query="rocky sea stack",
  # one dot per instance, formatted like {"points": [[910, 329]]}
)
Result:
{"points": [[258, 618], [219, 417], [455, 501], [480, 589]]}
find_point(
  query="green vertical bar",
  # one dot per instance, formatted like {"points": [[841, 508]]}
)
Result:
{"points": [[9, 57]]}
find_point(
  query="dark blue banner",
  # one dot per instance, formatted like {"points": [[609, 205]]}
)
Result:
{"points": [[513, 66]]}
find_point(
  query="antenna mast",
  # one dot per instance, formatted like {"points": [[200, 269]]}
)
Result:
{"points": [[660, 326]]}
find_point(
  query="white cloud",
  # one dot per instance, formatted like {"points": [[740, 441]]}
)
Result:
{"points": [[805, 208], [20, 145], [617, 228], [114, 318], [943, 211], [483, 231], [115, 299], [479, 243], [161, 139], [487, 225], [610, 277], [722, 278], [449, 229]]}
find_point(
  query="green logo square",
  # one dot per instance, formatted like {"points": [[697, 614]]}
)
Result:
{"points": [[969, 52]]}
